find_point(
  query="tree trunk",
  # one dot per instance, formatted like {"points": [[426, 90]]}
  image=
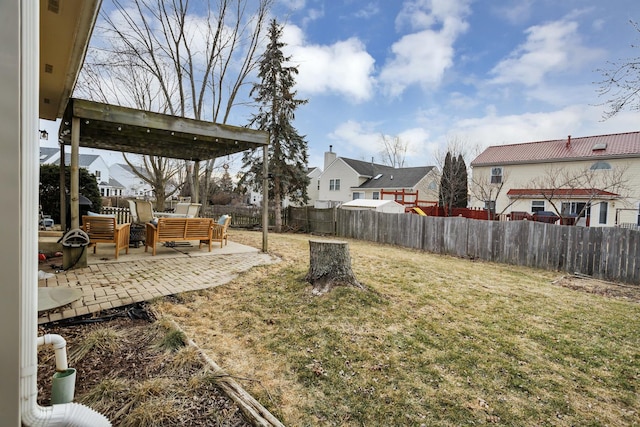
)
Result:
{"points": [[330, 266]]}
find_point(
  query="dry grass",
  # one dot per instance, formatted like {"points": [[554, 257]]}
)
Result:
{"points": [[435, 340]]}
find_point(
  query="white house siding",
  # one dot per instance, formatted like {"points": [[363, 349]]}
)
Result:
{"points": [[348, 179], [134, 186], [313, 191], [522, 176]]}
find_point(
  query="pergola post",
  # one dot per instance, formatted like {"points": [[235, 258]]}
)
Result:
{"points": [[265, 196], [75, 173], [63, 192]]}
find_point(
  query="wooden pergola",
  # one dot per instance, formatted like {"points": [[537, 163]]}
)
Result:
{"points": [[111, 127]]}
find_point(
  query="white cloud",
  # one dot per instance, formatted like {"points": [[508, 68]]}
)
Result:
{"points": [[360, 137], [549, 48], [369, 10], [344, 67], [515, 11], [422, 57], [293, 4]]}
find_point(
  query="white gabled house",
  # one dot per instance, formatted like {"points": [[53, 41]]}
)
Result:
{"points": [[93, 163], [345, 179], [133, 185], [595, 177], [255, 196]]}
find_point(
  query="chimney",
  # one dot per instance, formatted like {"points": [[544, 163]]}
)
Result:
{"points": [[329, 157], [568, 142]]}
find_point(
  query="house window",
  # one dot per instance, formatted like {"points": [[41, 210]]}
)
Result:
{"points": [[318, 185], [537, 206], [102, 192], [490, 205], [496, 175], [334, 185], [638, 214], [604, 207], [97, 175], [575, 208], [376, 196], [600, 166], [357, 195]]}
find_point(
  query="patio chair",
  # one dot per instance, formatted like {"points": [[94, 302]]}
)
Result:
{"points": [[193, 209], [133, 211], [181, 209], [145, 211], [220, 230], [105, 229]]}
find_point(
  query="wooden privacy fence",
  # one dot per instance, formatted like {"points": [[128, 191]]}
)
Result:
{"points": [[312, 220], [605, 253]]}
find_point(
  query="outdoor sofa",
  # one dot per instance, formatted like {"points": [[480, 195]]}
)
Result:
{"points": [[179, 229]]}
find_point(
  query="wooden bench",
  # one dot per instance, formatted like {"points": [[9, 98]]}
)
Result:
{"points": [[104, 229], [179, 229]]}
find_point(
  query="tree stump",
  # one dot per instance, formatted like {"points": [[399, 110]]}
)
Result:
{"points": [[330, 266]]}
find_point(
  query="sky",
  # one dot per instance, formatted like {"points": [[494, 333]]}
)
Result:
{"points": [[434, 72]]}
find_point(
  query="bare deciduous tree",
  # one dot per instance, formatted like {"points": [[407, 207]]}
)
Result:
{"points": [[394, 150], [158, 172], [620, 83], [184, 58]]}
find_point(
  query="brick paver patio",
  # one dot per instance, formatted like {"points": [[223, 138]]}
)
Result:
{"points": [[140, 277]]}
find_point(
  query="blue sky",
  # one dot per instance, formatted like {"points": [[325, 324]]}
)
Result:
{"points": [[434, 71]]}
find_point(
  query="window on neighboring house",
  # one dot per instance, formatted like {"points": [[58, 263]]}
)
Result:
{"points": [[357, 195], [376, 196], [496, 175], [574, 208], [318, 185], [600, 165], [604, 207], [537, 206], [638, 214], [102, 192], [490, 205], [334, 185]]}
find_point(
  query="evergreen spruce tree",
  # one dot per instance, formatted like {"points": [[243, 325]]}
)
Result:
{"points": [[462, 182], [445, 184], [287, 153], [453, 183]]}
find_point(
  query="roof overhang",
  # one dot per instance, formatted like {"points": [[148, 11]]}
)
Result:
{"points": [[561, 194], [115, 128], [65, 30]]}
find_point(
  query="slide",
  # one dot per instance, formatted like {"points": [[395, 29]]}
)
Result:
{"points": [[419, 211]]}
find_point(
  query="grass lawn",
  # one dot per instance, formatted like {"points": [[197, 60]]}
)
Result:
{"points": [[434, 340]]}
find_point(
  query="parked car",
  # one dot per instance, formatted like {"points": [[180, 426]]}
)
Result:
{"points": [[545, 216]]}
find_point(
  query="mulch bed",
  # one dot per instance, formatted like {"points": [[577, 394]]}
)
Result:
{"points": [[138, 359]]}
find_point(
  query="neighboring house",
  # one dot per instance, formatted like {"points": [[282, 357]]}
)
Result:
{"points": [[49, 155], [313, 190], [255, 197], [133, 185], [346, 179], [598, 176], [93, 163]]}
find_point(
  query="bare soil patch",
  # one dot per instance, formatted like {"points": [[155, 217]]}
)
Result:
{"points": [[600, 287]]}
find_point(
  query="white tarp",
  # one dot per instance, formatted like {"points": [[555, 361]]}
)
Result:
{"points": [[388, 206]]}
